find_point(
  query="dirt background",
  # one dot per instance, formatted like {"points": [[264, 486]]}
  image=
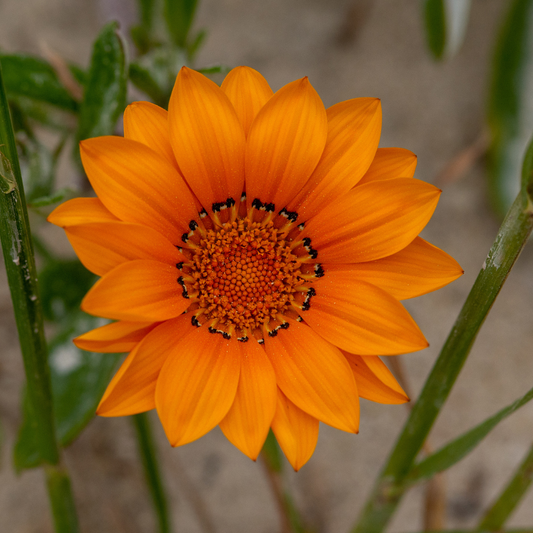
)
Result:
{"points": [[348, 49]]}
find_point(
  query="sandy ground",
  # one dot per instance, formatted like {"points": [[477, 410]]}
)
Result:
{"points": [[436, 110]]}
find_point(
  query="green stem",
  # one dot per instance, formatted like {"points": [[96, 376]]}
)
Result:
{"points": [[152, 471], [503, 507], [61, 499], [509, 242], [22, 279]]}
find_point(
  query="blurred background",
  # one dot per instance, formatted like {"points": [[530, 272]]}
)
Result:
{"points": [[437, 109]]}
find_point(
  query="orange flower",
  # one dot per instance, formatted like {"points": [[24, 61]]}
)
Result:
{"points": [[253, 249]]}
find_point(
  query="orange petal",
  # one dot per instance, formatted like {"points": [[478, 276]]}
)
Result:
{"points": [[390, 163], [248, 420], [197, 385], [80, 211], [295, 430], [138, 185], [315, 376], [379, 368], [132, 390], [207, 138], [354, 128], [417, 269], [147, 123], [104, 245], [285, 143], [117, 337], [372, 221], [370, 386], [361, 318], [248, 91], [137, 290]]}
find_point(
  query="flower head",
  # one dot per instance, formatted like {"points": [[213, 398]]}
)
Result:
{"points": [[253, 249]]}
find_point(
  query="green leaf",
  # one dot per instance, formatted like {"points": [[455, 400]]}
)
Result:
{"points": [[63, 284], [216, 69], [58, 196], [460, 447], [105, 91], [79, 380], [445, 23], [36, 79], [144, 81], [196, 43], [179, 15], [510, 115], [142, 33]]}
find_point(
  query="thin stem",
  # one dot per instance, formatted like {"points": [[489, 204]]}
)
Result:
{"points": [[150, 462], [509, 242], [504, 506], [22, 279], [291, 521], [61, 499]]}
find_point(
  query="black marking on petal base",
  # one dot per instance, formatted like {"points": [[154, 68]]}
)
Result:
{"points": [[301, 226], [193, 225], [299, 319], [291, 216], [184, 293], [179, 265], [261, 341], [194, 322], [307, 302], [319, 271], [258, 204], [185, 237], [243, 197], [225, 334], [242, 339], [219, 206], [274, 332], [203, 213], [307, 245]]}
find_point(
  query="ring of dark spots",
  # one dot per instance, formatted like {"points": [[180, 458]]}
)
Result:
{"points": [[193, 225], [319, 271], [179, 265], [185, 237], [194, 322]]}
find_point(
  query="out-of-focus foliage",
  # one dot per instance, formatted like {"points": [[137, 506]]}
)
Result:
{"points": [[104, 97], [75, 103], [445, 22], [510, 106]]}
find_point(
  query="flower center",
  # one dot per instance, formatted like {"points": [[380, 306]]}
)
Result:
{"points": [[246, 276]]}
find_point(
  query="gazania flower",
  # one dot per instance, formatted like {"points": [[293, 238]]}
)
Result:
{"points": [[253, 249]]}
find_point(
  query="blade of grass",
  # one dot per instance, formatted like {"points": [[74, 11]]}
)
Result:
{"points": [[22, 278], [152, 470], [512, 237], [506, 503]]}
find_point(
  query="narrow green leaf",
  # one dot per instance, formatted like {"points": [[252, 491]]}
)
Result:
{"points": [[145, 82], [79, 380], [105, 91], [216, 69], [435, 24], [152, 470], [58, 196], [35, 78], [506, 503], [457, 449], [511, 239], [196, 43], [509, 114], [445, 23], [179, 15]]}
